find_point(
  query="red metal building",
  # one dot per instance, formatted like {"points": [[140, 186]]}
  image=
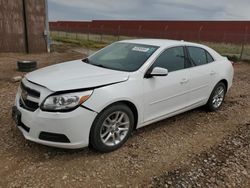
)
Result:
{"points": [[214, 31]]}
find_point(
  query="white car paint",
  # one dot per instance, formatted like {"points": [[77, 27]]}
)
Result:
{"points": [[73, 75], [155, 98]]}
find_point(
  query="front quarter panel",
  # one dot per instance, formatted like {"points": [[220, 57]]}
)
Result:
{"points": [[130, 90]]}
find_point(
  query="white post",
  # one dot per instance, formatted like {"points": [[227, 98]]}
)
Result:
{"points": [[47, 33]]}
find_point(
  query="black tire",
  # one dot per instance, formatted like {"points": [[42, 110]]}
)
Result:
{"points": [[95, 133], [210, 105], [26, 66]]}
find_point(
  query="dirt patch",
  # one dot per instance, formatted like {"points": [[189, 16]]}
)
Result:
{"points": [[151, 152], [8, 67]]}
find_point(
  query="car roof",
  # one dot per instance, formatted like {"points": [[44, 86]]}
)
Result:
{"points": [[165, 43], [161, 42]]}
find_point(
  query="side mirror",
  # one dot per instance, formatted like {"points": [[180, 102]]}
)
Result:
{"points": [[157, 71]]}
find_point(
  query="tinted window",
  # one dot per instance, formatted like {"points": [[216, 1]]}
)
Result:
{"points": [[172, 59], [123, 56], [209, 58], [197, 55]]}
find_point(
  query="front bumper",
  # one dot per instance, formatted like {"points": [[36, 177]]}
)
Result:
{"points": [[74, 125]]}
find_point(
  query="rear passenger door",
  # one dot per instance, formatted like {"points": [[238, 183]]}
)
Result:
{"points": [[202, 74]]}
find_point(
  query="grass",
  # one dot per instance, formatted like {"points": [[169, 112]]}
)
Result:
{"points": [[90, 44], [232, 51], [92, 41], [97, 41]]}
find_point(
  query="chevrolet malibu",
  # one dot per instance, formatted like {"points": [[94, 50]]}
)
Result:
{"points": [[100, 100]]}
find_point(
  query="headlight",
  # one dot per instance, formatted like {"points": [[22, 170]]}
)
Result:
{"points": [[64, 102]]}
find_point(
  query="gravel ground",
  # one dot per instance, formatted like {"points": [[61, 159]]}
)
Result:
{"points": [[193, 149], [225, 165]]}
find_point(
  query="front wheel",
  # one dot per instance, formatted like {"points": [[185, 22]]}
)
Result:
{"points": [[217, 97], [112, 128]]}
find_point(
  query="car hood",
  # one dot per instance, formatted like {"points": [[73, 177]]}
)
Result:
{"points": [[75, 75]]}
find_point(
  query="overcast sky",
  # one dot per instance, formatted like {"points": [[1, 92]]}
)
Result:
{"points": [[149, 9]]}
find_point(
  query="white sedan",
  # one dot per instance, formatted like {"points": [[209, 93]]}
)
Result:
{"points": [[100, 100]]}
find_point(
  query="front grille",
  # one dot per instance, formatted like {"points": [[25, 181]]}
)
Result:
{"points": [[29, 99], [31, 92], [53, 137], [28, 105]]}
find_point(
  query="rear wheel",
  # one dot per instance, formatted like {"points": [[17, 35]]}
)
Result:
{"points": [[217, 97], [112, 128]]}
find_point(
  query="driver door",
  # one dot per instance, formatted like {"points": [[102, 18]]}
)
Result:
{"points": [[164, 95]]}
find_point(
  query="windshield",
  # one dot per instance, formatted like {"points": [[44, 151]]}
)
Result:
{"points": [[122, 56]]}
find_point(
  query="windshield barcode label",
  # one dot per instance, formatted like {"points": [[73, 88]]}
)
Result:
{"points": [[140, 49]]}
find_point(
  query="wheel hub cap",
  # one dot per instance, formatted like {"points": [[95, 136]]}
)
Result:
{"points": [[218, 97], [115, 128]]}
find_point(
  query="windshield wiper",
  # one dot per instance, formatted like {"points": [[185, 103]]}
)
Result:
{"points": [[100, 65], [86, 60]]}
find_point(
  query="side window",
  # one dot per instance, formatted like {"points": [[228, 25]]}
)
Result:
{"points": [[209, 58], [172, 59], [197, 55]]}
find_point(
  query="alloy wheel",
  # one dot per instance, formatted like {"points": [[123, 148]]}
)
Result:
{"points": [[114, 128], [218, 97]]}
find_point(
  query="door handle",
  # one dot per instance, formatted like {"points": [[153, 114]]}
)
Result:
{"points": [[184, 81], [212, 73]]}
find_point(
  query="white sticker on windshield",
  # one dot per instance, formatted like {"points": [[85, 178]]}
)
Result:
{"points": [[140, 49]]}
